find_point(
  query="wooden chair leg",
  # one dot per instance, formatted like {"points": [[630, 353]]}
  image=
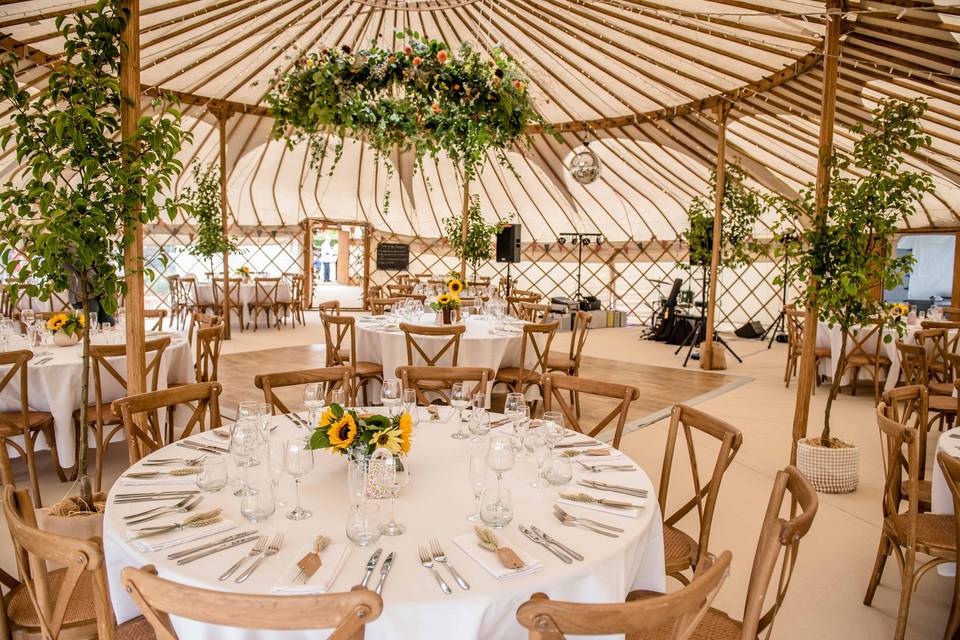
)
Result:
{"points": [[882, 552], [906, 590], [952, 631], [6, 469], [101, 450]]}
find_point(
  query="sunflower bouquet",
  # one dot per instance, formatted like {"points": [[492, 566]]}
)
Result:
{"points": [[345, 431], [68, 323], [900, 309], [451, 299]]}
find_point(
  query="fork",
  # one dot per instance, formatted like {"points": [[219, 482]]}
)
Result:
{"points": [[600, 468], [272, 550], [180, 507], [134, 516], [188, 462], [256, 551], [560, 512], [427, 560], [568, 521], [439, 556]]}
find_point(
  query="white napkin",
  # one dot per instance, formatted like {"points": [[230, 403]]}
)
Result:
{"points": [[175, 538], [584, 457], [490, 562], [159, 480], [623, 513], [333, 558]]}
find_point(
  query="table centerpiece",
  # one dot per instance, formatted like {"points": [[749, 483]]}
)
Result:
{"points": [[448, 303], [67, 328]]}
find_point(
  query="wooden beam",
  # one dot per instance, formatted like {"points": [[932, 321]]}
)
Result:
{"points": [[222, 115], [831, 64], [133, 254], [308, 263], [367, 248], [706, 351]]}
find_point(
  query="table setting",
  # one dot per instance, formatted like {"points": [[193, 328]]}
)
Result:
{"points": [[454, 532], [940, 499]]}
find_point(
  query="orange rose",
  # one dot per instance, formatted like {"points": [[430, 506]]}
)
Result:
{"points": [[417, 60], [518, 85], [435, 107], [391, 58], [408, 49], [442, 56]]}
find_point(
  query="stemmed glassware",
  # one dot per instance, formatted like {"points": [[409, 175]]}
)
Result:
{"points": [[552, 428], [478, 476], [313, 401], [391, 395], [459, 401], [6, 330], [479, 424], [299, 462], [276, 465], [338, 396], [396, 476], [500, 456], [535, 443], [244, 440], [521, 425]]}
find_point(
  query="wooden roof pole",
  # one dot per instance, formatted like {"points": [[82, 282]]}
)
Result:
{"points": [[465, 229], [831, 62], [308, 263], [706, 352], [222, 116], [133, 254]]}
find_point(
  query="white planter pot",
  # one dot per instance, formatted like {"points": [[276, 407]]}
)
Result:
{"points": [[63, 340], [829, 470]]}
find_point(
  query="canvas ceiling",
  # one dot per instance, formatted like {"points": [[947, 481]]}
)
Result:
{"points": [[638, 79]]}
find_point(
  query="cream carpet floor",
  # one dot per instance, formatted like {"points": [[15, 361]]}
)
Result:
{"points": [[825, 597]]}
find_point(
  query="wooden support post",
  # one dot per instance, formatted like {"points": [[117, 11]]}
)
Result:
{"points": [[706, 351], [133, 254], [831, 60], [222, 116], [307, 263], [955, 292], [465, 230], [343, 256], [367, 248]]}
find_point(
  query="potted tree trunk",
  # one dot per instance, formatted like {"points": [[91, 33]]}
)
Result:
{"points": [[480, 236], [65, 218], [840, 260]]}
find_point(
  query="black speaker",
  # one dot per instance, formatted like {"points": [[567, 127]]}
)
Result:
{"points": [[508, 244], [752, 329]]}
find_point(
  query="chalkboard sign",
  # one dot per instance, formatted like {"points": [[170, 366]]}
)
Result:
{"points": [[393, 256]]}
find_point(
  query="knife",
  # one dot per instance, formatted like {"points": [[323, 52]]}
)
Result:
{"points": [[198, 447], [187, 552], [582, 443], [573, 554], [637, 493], [384, 570], [543, 543], [371, 565], [220, 547], [155, 494]]}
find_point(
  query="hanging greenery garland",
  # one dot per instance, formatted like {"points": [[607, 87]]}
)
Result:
{"points": [[423, 98], [202, 202]]}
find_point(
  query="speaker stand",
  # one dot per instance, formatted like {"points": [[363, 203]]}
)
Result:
{"points": [[700, 327]]}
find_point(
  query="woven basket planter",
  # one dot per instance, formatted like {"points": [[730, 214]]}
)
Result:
{"points": [[829, 470]]}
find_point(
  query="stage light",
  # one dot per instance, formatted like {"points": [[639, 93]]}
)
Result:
{"points": [[561, 240], [599, 240], [586, 242]]}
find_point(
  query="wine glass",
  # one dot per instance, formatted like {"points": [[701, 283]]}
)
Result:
{"points": [[6, 330], [479, 424], [276, 465], [299, 461], [391, 395], [459, 401], [500, 456], [28, 317], [521, 424], [536, 444], [313, 401], [243, 443], [410, 406], [512, 404], [552, 427], [338, 396], [396, 476], [478, 476]]}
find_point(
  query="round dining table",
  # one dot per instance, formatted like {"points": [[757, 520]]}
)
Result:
{"points": [[940, 499], [832, 337], [54, 378], [248, 292], [433, 506]]}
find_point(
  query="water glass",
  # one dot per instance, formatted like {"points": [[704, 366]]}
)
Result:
{"points": [[391, 395], [459, 401], [338, 396], [363, 524], [357, 481], [479, 424], [244, 440], [559, 470], [496, 507], [553, 427], [276, 466], [28, 317], [213, 474], [298, 458], [259, 503], [313, 401], [521, 424], [92, 323]]}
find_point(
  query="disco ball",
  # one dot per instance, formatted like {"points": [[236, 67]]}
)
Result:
{"points": [[585, 166]]}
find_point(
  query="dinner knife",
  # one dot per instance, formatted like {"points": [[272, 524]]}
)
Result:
{"points": [[204, 448], [218, 548], [187, 552], [156, 494], [543, 543], [573, 554], [582, 443], [384, 570], [637, 493], [371, 565]]}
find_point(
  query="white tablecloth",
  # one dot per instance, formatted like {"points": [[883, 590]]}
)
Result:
{"points": [[247, 292], [479, 347], [940, 499], [830, 338], [434, 505], [55, 386]]}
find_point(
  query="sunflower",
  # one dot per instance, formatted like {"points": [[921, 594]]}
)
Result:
{"points": [[342, 432], [444, 298], [328, 418], [455, 287], [406, 432], [56, 322], [389, 439]]}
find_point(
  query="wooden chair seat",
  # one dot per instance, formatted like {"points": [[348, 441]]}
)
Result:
{"points": [[819, 352], [942, 404], [368, 369], [136, 629], [940, 388], [936, 533], [560, 363], [513, 374], [105, 415], [715, 625], [924, 492], [21, 612], [11, 423], [679, 550], [867, 360]]}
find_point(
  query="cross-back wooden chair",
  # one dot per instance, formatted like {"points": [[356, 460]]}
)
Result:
{"points": [[514, 301], [380, 306], [952, 347], [174, 300], [794, 319], [66, 603], [24, 423], [950, 466], [681, 550], [158, 316], [532, 312], [341, 345], [909, 532], [397, 290], [206, 365], [778, 544], [569, 363], [142, 422], [678, 613], [534, 350], [439, 381], [555, 384], [100, 415], [864, 352], [266, 295], [59, 301], [432, 349], [951, 313], [297, 302], [190, 295], [934, 343], [913, 363], [908, 406], [331, 307], [200, 320], [233, 292], [330, 377], [346, 613]]}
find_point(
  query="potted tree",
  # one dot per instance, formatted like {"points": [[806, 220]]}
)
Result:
{"points": [[202, 202], [480, 236], [841, 258], [64, 218]]}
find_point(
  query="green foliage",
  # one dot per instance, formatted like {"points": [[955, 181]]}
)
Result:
{"points": [[423, 98], [65, 217], [840, 258], [202, 201], [742, 208], [480, 235]]}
